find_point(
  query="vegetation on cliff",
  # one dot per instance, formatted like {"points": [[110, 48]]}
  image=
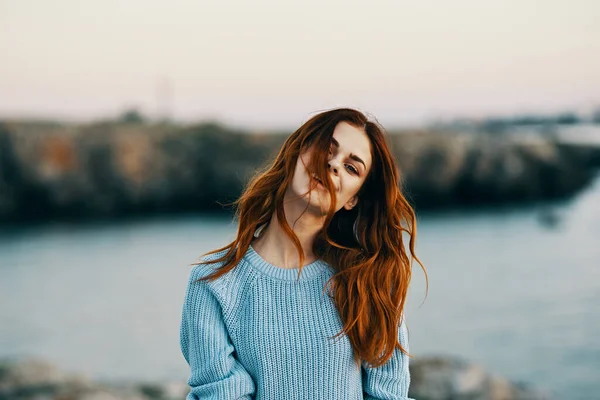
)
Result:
{"points": [[109, 169]]}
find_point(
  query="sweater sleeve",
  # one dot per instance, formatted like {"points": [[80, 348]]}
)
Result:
{"points": [[391, 380], [206, 346]]}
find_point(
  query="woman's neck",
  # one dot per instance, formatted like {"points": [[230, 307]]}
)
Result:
{"points": [[277, 248]]}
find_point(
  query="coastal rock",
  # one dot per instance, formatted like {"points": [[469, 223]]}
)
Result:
{"points": [[107, 170], [448, 378], [432, 378], [35, 379], [462, 169]]}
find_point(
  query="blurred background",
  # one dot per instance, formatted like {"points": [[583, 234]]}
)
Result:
{"points": [[125, 125]]}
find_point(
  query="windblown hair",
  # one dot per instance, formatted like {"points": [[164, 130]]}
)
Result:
{"points": [[364, 245]]}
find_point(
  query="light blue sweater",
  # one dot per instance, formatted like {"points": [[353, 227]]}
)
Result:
{"points": [[258, 333]]}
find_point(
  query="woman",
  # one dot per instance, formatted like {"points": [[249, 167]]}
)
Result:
{"points": [[307, 301]]}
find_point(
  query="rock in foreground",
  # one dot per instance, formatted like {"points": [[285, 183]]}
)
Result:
{"points": [[34, 379], [433, 378], [445, 378]]}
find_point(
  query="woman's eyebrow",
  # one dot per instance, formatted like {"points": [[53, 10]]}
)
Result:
{"points": [[352, 156]]}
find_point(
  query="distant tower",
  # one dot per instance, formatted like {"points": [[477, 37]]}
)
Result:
{"points": [[164, 98]]}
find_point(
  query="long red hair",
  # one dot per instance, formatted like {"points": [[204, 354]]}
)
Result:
{"points": [[364, 245]]}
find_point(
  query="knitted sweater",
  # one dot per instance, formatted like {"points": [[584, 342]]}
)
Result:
{"points": [[259, 333]]}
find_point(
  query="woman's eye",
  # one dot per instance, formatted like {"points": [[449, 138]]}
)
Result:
{"points": [[352, 168]]}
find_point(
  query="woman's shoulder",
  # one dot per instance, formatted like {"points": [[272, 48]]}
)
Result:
{"points": [[228, 281], [228, 288], [204, 266]]}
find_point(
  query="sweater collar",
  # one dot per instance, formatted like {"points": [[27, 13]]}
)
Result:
{"points": [[315, 268]]}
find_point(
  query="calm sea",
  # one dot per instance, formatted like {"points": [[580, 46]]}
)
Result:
{"points": [[516, 290]]}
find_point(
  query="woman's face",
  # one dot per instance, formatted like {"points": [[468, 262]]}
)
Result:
{"points": [[349, 164]]}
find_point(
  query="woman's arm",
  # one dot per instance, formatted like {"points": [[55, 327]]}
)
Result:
{"points": [[205, 343], [391, 380]]}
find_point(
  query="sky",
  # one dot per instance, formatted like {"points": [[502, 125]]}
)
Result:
{"points": [[272, 64]]}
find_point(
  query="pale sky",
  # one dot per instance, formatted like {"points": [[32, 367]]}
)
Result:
{"points": [[274, 63]]}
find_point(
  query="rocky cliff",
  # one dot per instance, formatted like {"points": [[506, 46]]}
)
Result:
{"points": [[56, 171]]}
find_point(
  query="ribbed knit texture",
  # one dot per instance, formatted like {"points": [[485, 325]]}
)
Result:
{"points": [[259, 333]]}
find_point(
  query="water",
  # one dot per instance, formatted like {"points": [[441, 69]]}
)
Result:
{"points": [[506, 291]]}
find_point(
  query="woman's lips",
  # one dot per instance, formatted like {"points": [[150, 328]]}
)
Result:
{"points": [[319, 182], [314, 177]]}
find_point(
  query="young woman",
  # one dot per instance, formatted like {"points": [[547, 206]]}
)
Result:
{"points": [[307, 302]]}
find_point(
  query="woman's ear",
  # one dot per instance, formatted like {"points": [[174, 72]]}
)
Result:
{"points": [[350, 204]]}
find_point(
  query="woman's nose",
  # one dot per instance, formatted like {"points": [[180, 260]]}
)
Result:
{"points": [[333, 165]]}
